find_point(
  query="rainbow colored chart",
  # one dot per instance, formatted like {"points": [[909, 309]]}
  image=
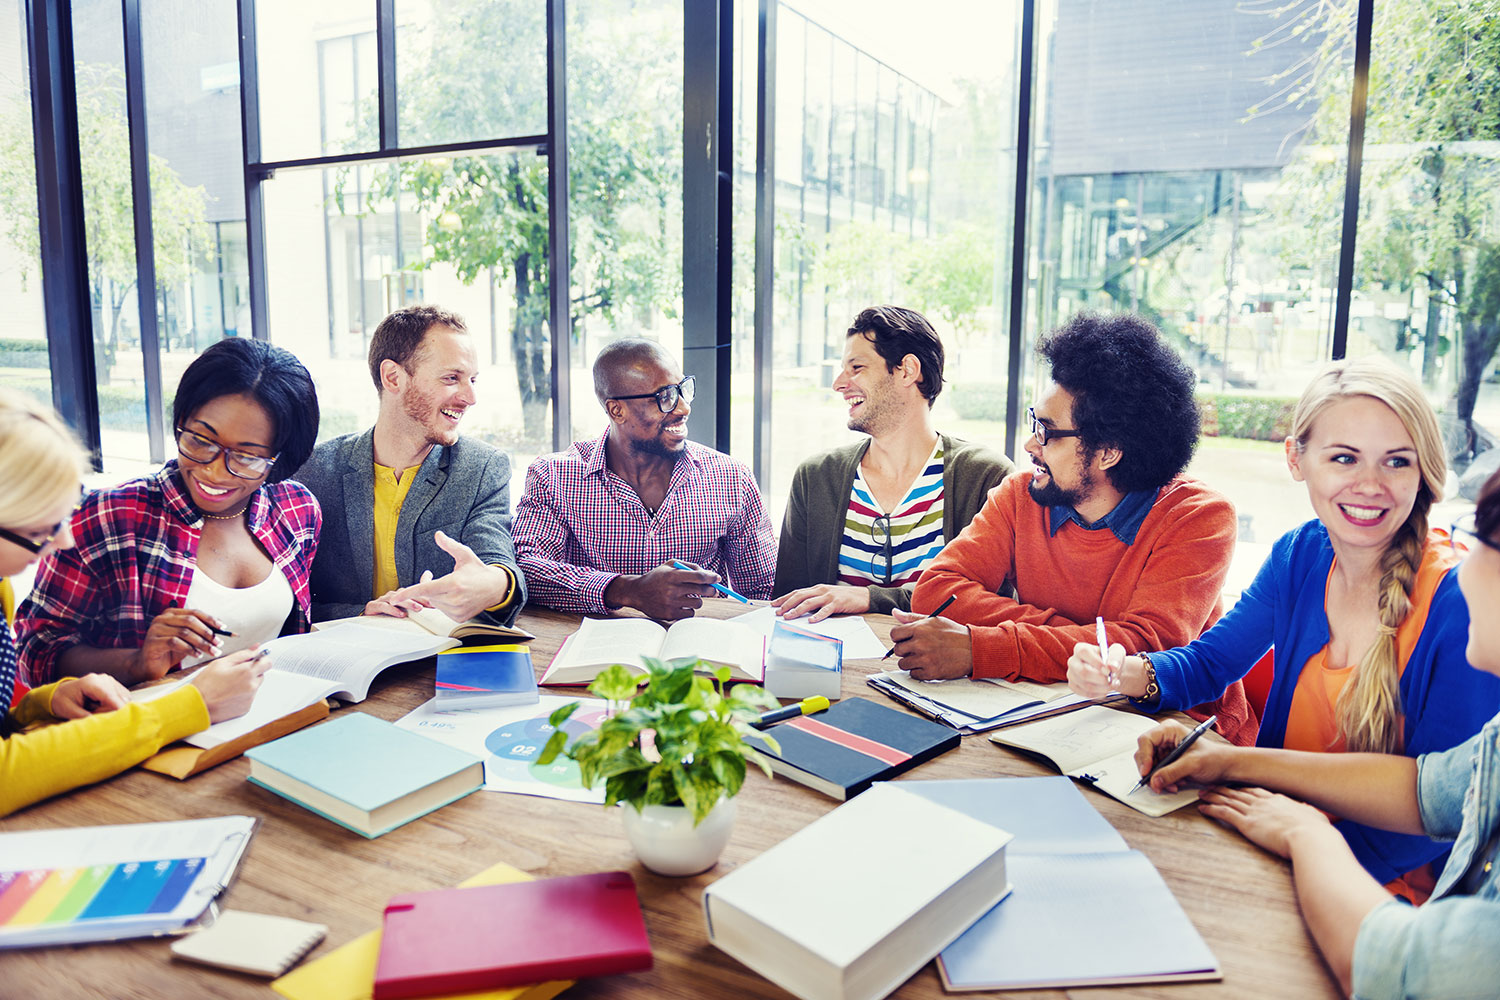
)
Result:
{"points": [[63, 895], [107, 882]]}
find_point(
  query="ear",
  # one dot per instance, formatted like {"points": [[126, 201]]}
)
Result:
{"points": [[910, 369], [615, 410], [1294, 459], [392, 376], [1108, 457]]}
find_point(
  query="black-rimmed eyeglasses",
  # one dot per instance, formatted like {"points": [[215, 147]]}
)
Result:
{"points": [[1044, 433], [666, 397], [880, 531], [240, 464], [1466, 526], [35, 545]]}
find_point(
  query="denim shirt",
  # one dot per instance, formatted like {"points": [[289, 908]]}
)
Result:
{"points": [[1449, 947]]}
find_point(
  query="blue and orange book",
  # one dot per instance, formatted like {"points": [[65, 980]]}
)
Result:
{"points": [[485, 677]]}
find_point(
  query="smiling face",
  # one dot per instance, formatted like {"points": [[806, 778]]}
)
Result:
{"points": [[640, 422], [236, 423], [1062, 473], [868, 386], [440, 387], [1359, 463]]}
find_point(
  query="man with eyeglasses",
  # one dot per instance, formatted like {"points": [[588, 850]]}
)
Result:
{"points": [[415, 515], [601, 524], [1104, 524], [862, 521]]}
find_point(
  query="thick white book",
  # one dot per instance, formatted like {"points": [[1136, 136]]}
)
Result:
{"points": [[838, 911]]}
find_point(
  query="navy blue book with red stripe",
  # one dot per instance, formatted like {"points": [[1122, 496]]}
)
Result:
{"points": [[841, 751]]}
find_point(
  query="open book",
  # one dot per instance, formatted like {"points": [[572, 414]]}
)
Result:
{"points": [[306, 669], [600, 642], [431, 621], [1096, 745]]}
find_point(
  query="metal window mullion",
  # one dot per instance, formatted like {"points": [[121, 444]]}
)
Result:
{"points": [[385, 72], [255, 216], [60, 221], [145, 245], [1358, 102], [765, 232], [559, 269], [1025, 80]]}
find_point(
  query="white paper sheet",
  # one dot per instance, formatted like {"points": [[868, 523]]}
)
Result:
{"points": [[859, 639]]}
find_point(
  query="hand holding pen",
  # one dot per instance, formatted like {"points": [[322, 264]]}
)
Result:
{"points": [[931, 647], [172, 637], [1153, 741]]}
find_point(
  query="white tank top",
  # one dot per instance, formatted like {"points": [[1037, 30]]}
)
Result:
{"points": [[254, 614]]}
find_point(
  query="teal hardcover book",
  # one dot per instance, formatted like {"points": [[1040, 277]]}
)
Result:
{"points": [[364, 773]]}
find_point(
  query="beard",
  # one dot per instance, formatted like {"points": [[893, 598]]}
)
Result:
{"points": [[421, 409], [873, 414], [657, 448], [1053, 495]]}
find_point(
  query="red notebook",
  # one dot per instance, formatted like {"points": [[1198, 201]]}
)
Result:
{"points": [[490, 936]]}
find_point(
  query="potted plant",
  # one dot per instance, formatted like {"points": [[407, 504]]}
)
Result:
{"points": [[675, 752]]}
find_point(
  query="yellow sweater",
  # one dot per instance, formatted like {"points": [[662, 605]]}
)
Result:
{"points": [[57, 755]]}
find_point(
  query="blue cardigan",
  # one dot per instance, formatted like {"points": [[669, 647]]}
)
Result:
{"points": [[1445, 701]]}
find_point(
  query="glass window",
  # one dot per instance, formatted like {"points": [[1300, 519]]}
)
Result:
{"points": [[109, 225], [347, 245], [625, 186], [1176, 177], [904, 133], [325, 48], [474, 69], [191, 55], [1427, 266], [23, 327]]}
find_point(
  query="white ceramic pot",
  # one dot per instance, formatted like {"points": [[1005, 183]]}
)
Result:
{"points": [[668, 843]]}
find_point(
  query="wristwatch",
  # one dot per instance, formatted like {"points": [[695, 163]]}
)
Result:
{"points": [[1153, 689]]}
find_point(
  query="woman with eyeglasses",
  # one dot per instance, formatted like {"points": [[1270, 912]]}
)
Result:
{"points": [[1378, 946], [81, 729], [207, 556], [1360, 605]]}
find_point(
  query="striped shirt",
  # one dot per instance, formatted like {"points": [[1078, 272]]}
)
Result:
{"points": [[914, 528]]}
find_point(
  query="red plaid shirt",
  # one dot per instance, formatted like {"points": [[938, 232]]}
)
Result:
{"points": [[578, 526], [135, 551]]}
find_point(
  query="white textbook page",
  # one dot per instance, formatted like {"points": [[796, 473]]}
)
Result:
{"points": [[280, 693], [860, 642], [600, 642], [731, 643], [352, 654], [976, 699], [1078, 739]]}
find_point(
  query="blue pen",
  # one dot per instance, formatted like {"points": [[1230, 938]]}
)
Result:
{"points": [[717, 586]]}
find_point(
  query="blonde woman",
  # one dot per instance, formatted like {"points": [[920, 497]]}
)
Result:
{"points": [[1361, 606], [39, 486]]}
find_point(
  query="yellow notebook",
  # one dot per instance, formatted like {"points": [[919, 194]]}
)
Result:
{"points": [[348, 972]]}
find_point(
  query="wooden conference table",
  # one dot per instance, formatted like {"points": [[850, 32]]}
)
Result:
{"points": [[300, 865]]}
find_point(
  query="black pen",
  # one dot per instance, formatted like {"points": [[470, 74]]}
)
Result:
{"points": [[940, 609], [1177, 751]]}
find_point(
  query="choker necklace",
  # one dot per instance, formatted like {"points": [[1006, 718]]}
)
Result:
{"points": [[224, 517]]}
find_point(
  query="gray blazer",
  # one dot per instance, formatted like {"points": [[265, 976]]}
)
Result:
{"points": [[464, 490]]}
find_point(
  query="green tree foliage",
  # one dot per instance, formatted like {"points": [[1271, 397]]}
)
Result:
{"points": [[488, 213], [1430, 181], [177, 210]]}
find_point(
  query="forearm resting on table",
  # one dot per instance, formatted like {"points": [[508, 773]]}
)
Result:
{"points": [[121, 664], [1375, 789]]}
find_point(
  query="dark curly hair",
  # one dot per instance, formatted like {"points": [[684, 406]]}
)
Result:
{"points": [[1130, 391]]}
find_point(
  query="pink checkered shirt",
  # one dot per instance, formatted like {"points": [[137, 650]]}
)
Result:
{"points": [[136, 551], [578, 526]]}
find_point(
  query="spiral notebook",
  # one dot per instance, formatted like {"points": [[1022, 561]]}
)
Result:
{"points": [[257, 943]]}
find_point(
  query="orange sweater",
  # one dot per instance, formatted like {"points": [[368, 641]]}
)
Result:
{"points": [[1158, 593]]}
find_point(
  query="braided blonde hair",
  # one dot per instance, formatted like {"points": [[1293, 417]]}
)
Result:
{"points": [[1369, 709]]}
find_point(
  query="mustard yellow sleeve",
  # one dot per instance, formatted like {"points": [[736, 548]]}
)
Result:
{"points": [[64, 755]]}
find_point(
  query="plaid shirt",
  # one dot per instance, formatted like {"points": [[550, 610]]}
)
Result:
{"points": [[578, 526], [135, 551]]}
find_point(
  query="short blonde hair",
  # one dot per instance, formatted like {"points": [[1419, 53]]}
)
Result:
{"points": [[40, 461], [1369, 710]]}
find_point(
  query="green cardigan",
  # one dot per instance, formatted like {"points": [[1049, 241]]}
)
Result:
{"points": [[813, 529]]}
